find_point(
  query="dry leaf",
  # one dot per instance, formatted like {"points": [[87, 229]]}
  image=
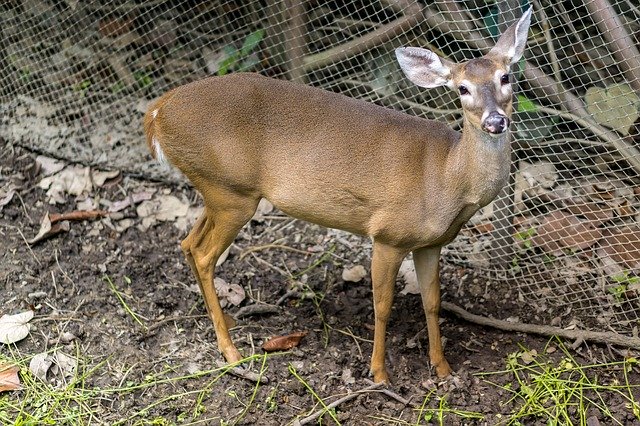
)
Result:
{"points": [[9, 379], [284, 343], [40, 365], [47, 229], [408, 273], [594, 212], [229, 294], [5, 198], [48, 165], [560, 230], [14, 328], [355, 274], [623, 247], [264, 208], [73, 180], [100, 177]]}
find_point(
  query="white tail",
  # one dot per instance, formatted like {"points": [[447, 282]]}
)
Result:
{"points": [[407, 182]]}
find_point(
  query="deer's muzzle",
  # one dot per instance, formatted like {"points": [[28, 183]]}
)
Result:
{"points": [[495, 123]]}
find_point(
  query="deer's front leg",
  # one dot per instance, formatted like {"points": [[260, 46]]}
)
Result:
{"points": [[426, 261], [385, 264]]}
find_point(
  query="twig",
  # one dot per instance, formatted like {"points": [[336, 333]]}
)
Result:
{"points": [[392, 394], [275, 268], [545, 330], [337, 402], [77, 215], [256, 309], [244, 373]]}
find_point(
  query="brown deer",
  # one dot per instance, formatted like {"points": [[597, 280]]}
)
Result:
{"points": [[406, 182]]}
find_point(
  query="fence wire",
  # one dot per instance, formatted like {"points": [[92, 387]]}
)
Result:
{"points": [[78, 76]]}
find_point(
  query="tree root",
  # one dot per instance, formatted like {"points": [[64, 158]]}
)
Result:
{"points": [[546, 330]]}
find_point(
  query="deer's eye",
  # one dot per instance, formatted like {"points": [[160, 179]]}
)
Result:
{"points": [[463, 90], [504, 79]]}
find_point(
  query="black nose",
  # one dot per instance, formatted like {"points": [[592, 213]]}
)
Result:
{"points": [[495, 123]]}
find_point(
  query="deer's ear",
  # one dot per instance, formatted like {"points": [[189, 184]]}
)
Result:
{"points": [[423, 67], [511, 44]]}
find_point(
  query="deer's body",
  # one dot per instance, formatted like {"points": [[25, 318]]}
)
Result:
{"points": [[387, 183], [408, 183]]}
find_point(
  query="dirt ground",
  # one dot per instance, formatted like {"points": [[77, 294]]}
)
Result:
{"points": [[63, 279]]}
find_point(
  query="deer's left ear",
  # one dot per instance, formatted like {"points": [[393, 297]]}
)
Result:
{"points": [[511, 44]]}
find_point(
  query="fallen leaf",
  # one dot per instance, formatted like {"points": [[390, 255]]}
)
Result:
{"points": [[40, 364], [100, 177], [49, 165], [347, 377], [264, 208], [284, 343], [560, 230], [408, 273], [228, 294], [66, 364], [6, 198], [355, 274], [47, 229], [528, 356], [14, 328], [73, 180], [9, 379], [623, 247]]}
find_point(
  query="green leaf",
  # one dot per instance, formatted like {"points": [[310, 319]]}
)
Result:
{"points": [[251, 42], [525, 104]]}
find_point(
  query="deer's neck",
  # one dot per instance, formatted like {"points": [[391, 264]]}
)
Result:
{"points": [[481, 162]]}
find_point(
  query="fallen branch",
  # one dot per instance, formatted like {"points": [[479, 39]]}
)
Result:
{"points": [[361, 44], [335, 403], [545, 330]]}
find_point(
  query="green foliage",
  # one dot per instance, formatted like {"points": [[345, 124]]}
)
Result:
{"points": [[525, 104], [623, 281], [241, 59]]}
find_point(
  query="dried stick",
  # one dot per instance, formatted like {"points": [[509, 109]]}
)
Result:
{"points": [[545, 330], [337, 402]]}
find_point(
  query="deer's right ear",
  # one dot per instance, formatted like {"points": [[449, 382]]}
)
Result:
{"points": [[423, 67]]}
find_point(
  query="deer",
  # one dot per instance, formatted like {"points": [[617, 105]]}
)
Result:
{"points": [[406, 182]]}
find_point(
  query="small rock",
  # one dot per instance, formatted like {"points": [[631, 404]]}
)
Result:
{"points": [[355, 274]]}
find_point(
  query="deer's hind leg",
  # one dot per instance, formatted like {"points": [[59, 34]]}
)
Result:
{"points": [[210, 236]]}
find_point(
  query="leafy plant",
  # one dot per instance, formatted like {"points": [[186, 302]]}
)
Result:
{"points": [[623, 281], [242, 59]]}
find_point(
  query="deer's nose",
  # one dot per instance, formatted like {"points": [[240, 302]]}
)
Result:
{"points": [[495, 123]]}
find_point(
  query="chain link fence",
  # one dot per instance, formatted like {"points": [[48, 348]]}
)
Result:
{"points": [[78, 76]]}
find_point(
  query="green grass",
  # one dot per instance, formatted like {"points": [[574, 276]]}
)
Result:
{"points": [[72, 400], [563, 391]]}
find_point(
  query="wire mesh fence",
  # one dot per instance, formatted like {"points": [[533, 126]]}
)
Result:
{"points": [[78, 76]]}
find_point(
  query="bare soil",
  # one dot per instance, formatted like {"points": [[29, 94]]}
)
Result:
{"points": [[62, 279]]}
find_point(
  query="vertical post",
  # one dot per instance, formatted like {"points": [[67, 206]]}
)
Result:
{"points": [[295, 39]]}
